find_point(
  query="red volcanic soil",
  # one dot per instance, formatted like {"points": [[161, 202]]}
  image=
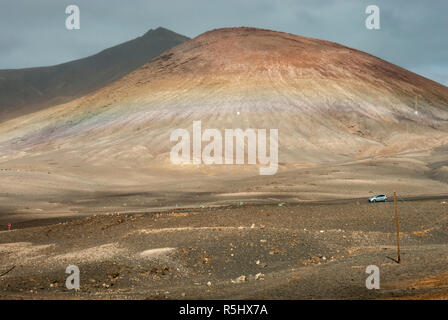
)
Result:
{"points": [[328, 101]]}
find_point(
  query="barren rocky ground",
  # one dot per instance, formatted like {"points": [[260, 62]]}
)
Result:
{"points": [[90, 182], [315, 250]]}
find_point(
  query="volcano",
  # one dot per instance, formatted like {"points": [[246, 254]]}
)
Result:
{"points": [[29, 90], [331, 105], [328, 101]]}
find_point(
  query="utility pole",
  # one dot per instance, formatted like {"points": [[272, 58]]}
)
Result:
{"points": [[397, 227]]}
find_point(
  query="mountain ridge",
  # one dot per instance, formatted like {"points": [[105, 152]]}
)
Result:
{"points": [[32, 89]]}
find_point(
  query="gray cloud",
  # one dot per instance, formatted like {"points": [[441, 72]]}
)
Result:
{"points": [[413, 33]]}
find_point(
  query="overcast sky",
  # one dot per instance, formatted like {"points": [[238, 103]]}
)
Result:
{"points": [[413, 34]]}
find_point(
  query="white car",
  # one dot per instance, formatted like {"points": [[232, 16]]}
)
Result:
{"points": [[378, 198]]}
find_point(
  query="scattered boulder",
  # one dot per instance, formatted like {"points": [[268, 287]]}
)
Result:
{"points": [[240, 279]]}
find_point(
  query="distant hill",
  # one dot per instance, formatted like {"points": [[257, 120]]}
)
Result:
{"points": [[328, 102], [23, 91]]}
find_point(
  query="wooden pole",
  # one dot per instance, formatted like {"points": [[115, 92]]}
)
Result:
{"points": [[397, 227]]}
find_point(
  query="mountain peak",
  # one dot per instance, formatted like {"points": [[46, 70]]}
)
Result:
{"points": [[161, 31], [329, 102], [24, 91]]}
